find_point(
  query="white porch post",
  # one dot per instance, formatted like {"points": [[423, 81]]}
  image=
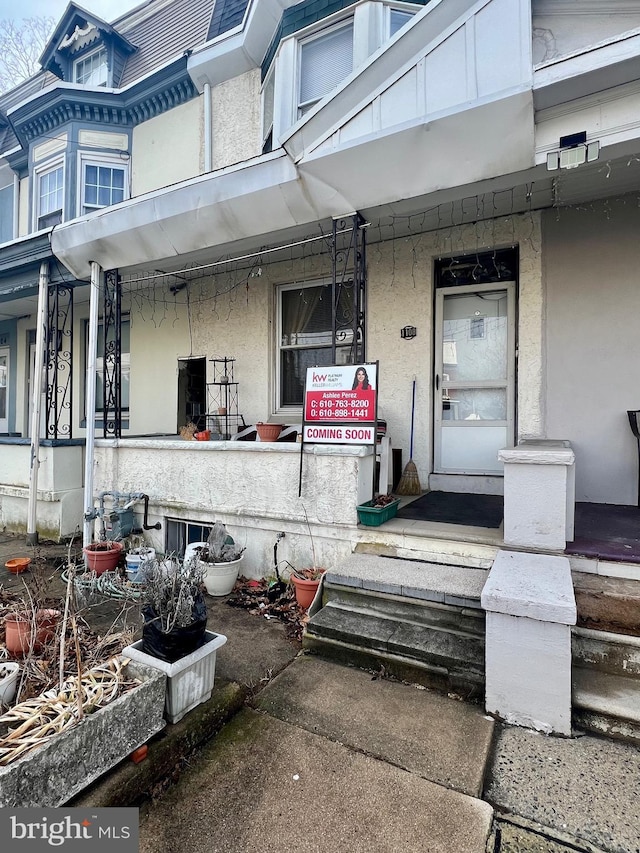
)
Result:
{"points": [[539, 494], [530, 608], [90, 384], [36, 392], [528, 597]]}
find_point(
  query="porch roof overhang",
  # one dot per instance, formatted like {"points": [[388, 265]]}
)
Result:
{"points": [[331, 161]]}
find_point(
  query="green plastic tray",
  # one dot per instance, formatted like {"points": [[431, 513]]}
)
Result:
{"points": [[374, 516]]}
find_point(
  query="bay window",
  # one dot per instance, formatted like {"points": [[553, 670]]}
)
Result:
{"points": [[326, 58], [102, 183], [49, 200]]}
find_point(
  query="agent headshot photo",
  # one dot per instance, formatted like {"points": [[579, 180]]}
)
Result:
{"points": [[361, 380]]}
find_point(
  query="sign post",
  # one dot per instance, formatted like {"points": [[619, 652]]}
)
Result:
{"points": [[340, 406]]}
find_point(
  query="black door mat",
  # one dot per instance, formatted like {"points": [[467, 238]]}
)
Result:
{"points": [[454, 508]]}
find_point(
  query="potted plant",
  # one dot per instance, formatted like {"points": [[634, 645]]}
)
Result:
{"points": [[268, 432], [174, 635], [102, 556], [306, 581], [9, 671], [219, 559]]}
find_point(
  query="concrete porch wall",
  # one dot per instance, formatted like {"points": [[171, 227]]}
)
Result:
{"points": [[252, 488], [60, 487]]}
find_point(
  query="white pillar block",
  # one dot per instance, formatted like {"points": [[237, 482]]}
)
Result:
{"points": [[539, 494], [530, 606]]}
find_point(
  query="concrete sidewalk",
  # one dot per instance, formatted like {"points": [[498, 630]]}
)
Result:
{"points": [[330, 758]]}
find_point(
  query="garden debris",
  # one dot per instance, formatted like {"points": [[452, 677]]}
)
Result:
{"points": [[41, 718], [40, 670], [255, 597]]}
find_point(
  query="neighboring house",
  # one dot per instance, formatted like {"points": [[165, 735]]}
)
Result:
{"points": [[289, 185]]}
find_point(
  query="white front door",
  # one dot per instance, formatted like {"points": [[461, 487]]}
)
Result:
{"points": [[474, 403], [4, 389]]}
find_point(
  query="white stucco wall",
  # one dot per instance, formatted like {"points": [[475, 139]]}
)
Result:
{"points": [[593, 304], [234, 314], [168, 148], [236, 117]]}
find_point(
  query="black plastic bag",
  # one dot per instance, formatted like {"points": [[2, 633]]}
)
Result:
{"points": [[180, 641]]}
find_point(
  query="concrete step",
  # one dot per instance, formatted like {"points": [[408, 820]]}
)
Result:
{"points": [[415, 651], [606, 703], [618, 654], [607, 604], [418, 580]]}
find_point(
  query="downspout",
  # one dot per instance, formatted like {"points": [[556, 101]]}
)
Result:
{"points": [[16, 206], [36, 392], [207, 127], [90, 397]]}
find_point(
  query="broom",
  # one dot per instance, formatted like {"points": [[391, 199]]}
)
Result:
{"points": [[409, 482]]}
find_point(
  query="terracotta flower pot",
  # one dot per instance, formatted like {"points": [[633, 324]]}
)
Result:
{"points": [[46, 624], [102, 556], [19, 637], [306, 588], [18, 564], [268, 432]]}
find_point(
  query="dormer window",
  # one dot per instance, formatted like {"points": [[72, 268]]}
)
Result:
{"points": [[91, 70], [325, 60]]}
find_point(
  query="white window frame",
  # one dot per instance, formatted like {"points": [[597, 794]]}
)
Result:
{"points": [[89, 57], [402, 9], [39, 173], [87, 158], [302, 107]]}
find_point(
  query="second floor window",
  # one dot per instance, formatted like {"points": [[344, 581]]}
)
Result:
{"points": [[50, 197], [102, 186], [6, 214], [325, 60], [91, 70]]}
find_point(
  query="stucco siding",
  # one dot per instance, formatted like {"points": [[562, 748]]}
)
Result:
{"points": [[167, 149], [235, 109], [593, 303]]}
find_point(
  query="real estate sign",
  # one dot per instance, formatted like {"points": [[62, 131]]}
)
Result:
{"points": [[340, 404]]}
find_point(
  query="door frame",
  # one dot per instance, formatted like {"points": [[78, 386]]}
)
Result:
{"points": [[439, 386]]}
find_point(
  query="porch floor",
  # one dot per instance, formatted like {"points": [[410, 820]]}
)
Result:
{"points": [[607, 532]]}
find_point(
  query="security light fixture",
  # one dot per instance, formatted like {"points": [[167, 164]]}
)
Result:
{"points": [[573, 152]]}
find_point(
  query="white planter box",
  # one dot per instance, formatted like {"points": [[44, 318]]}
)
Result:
{"points": [[189, 680]]}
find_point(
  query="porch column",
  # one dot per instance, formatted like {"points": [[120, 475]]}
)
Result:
{"points": [[36, 391], [90, 396], [539, 494], [530, 607]]}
